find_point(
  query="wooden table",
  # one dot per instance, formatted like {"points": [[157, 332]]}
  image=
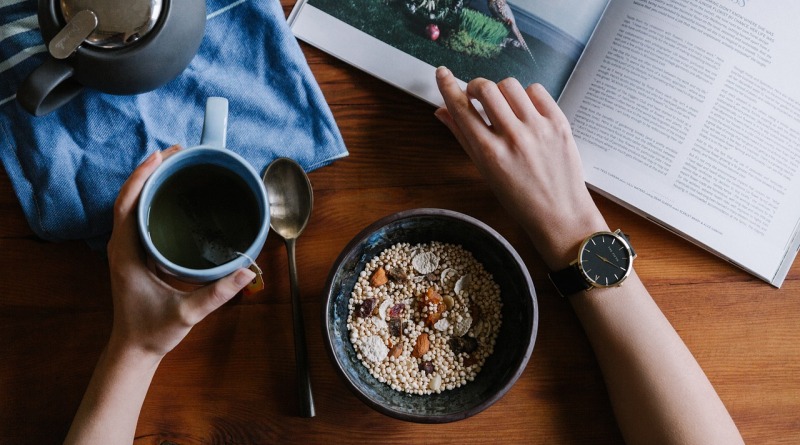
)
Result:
{"points": [[232, 379]]}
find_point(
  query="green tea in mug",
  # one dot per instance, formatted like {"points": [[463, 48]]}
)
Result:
{"points": [[203, 216]]}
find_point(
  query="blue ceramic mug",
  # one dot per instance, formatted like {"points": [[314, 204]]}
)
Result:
{"points": [[204, 212]]}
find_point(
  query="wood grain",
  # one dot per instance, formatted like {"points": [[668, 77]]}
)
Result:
{"points": [[232, 379]]}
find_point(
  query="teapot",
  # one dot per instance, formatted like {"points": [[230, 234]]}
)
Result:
{"points": [[120, 48]]}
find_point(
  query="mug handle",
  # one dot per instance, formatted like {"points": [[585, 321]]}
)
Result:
{"points": [[215, 122], [48, 87]]}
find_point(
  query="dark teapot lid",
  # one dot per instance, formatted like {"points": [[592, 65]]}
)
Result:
{"points": [[118, 23]]}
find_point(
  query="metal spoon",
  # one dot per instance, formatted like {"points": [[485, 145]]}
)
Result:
{"points": [[290, 203]]}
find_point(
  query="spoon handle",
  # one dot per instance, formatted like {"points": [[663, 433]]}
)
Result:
{"points": [[300, 351]]}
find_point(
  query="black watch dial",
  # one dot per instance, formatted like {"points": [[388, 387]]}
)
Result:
{"points": [[605, 259]]}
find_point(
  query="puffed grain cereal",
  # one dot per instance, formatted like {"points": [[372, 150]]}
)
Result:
{"points": [[424, 318]]}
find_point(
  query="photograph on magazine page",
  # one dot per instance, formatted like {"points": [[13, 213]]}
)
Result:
{"points": [[532, 40]]}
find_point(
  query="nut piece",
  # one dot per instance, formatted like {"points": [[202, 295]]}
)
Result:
{"points": [[396, 350], [422, 346], [379, 278], [449, 302], [384, 307], [435, 383], [445, 277]]}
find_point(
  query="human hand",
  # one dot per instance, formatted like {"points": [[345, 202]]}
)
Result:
{"points": [[528, 157], [150, 316]]}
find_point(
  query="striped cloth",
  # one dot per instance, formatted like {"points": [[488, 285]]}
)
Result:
{"points": [[67, 167]]}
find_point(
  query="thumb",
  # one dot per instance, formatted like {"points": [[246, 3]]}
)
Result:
{"points": [[208, 298]]}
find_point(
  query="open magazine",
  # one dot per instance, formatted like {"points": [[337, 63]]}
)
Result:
{"points": [[685, 111]]}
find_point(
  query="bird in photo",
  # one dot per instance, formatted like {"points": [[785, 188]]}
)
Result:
{"points": [[502, 11]]}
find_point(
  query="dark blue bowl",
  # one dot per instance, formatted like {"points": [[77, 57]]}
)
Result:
{"points": [[514, 342]]}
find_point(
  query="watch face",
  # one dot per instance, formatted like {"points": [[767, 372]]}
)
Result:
{"points": [[605, 259]]}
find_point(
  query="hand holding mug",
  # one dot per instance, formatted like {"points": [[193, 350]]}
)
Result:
{"points": [[204, 212], [149, 314]]}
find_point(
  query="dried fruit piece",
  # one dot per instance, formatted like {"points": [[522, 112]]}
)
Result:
{"points": [[425, 262], [427, 367], [395, 327], [475, 312], [470, 360], [378, 277], [456, 345], [463, 344], [422, 345], [365, 309], [431, 297], [397, 310], [449, 302], [397, 275], [436, 315], [424, 303], [470, 344]]}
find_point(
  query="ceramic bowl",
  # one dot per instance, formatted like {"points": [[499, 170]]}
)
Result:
{"points": [[515, 341]]}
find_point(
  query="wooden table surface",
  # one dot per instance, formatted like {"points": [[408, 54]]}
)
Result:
{"points": [[232, 379]]}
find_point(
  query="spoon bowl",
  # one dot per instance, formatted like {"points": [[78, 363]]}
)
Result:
{"points": [[291, 199]]}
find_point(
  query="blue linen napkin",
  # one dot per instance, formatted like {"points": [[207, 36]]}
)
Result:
{"points": [[67, 167]]}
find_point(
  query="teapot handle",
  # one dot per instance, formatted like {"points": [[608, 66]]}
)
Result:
{"points": [[48, 87], [215, 123]]}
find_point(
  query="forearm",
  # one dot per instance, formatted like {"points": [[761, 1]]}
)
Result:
{"points": [[110, 408], [658, 391], [531, 161]]}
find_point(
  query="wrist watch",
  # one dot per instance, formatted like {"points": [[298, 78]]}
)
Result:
{"points": [[605, 259]]}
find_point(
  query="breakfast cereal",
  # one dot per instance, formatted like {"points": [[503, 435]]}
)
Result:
{"points": [[424, 318]]}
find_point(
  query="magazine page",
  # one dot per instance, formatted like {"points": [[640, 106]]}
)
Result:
{"points": [[403, 41], [689, 111]]}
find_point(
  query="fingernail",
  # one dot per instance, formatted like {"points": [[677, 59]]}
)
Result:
{"points": [[438, 114], [243, 276], [442, 72]]}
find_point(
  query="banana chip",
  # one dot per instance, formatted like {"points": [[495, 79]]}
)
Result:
{"points": [[385, 305]]}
